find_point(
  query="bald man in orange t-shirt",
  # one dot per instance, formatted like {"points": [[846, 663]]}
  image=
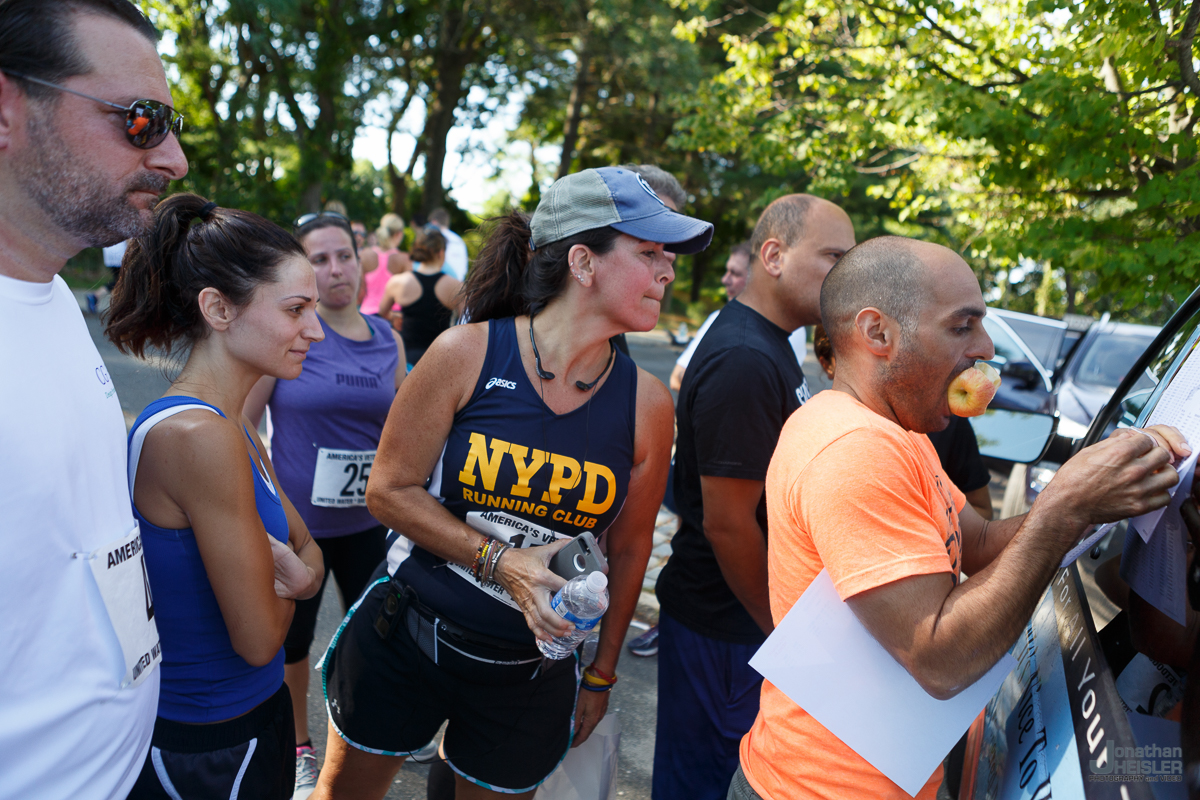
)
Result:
{"points": [[855, 488]]}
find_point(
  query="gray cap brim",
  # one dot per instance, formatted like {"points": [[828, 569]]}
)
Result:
{"points": [[678, 233]]}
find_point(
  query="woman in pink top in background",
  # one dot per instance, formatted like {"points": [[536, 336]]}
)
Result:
{"points": [[387, 256]]}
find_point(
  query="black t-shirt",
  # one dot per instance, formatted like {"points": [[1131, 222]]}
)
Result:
{"points": [[958, 451], [742, 384]]}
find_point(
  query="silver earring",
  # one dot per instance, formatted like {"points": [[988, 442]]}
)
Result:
{"points": [[578, 277]]}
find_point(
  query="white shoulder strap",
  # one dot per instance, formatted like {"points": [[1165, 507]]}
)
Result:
{"points": [[139, 435]]}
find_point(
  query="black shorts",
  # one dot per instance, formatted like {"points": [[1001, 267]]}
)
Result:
{"points": [[352, 560], [251, 756], [387, 697]]}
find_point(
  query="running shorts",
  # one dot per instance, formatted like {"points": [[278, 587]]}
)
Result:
{"points": [[509, 727], [252, 757]]}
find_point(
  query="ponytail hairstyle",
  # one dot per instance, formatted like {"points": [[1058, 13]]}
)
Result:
{"points": [[509, 279], [390, 226], [428, 244], [155, 302]]}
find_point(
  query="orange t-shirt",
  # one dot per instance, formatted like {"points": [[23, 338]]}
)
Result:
{"points": [[856, 494]]}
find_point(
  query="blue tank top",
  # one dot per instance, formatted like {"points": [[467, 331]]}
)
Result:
{"points": [[203, 678], [514, 470], [339, 403]]}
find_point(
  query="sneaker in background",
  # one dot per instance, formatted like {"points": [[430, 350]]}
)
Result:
{"points": [[306, 773], [91, 302], [646, 644]]}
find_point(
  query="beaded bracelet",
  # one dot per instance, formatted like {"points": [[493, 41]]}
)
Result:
{"points": [[477, 564]]}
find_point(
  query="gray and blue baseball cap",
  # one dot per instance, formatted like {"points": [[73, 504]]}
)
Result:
{"points": [[613, 196]]}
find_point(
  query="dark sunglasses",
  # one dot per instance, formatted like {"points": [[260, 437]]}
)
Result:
{"points": [[307, 218], [147, 122]]}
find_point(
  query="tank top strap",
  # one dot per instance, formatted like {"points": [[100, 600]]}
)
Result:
{"points": [[499, 339], [156, 412], [260, 469]]}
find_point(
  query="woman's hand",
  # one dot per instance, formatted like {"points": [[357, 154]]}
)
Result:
{"points": [[293, 578], [524, 575], [589, 710]]}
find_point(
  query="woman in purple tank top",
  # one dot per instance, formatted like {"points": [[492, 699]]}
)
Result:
{"points": [[327, 423]]}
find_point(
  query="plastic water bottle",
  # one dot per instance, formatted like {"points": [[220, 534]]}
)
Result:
{"points": [[583, 601], [587, 650]]}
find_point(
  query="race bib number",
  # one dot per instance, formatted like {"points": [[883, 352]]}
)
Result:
{"points": [[513, 531], [340, 480], [120, 571]]}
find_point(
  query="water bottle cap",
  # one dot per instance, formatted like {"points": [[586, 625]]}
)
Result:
{"points": [[597, 581]]}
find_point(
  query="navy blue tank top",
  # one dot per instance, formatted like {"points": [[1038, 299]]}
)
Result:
{"points": [[514, 470], [203, 677]]}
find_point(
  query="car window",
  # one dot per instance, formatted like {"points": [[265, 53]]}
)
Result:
{"points": [[1007, 349], [1105, 363], [1043, 340], [1069, 339]]}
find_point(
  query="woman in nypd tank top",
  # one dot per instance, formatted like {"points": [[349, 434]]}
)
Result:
{"points": [[226, 553], [518, 432]]}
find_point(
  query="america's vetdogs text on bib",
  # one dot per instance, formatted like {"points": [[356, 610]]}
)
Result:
{"points": [[120, 571]]}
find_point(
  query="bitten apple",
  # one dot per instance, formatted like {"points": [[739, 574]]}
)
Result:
{"points": [[973, 389]]}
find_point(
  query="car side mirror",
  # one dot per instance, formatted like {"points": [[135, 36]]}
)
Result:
{"points": [[1022, 371], [1017, 436]]}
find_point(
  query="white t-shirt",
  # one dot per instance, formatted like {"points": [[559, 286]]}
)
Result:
{"points": [[798, 340], [114, 253], [456, 254], [66, 728]]}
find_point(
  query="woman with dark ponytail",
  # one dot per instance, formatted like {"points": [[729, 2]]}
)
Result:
{"points": [[425, 294], [226, 553], [524, 428]]}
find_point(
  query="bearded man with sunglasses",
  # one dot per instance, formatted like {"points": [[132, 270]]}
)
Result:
{"points": [[88, 143]]}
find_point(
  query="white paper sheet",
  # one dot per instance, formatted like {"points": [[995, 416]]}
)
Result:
{"points": [[1147, 523], [823, 658], [1154, 562], [1179, 406], [1155, 566], [1180, 402]]}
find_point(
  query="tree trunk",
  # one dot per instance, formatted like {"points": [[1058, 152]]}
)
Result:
{"points": [[311, 199], [574, 110], [457, 47], [700, 262]]}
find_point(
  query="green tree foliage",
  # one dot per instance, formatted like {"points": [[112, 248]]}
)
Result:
{"points": [[1054, 132]]}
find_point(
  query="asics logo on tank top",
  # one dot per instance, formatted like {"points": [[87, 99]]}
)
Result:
{"points": [[503, 384]]}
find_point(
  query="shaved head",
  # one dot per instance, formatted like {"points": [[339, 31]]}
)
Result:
{"points": [[887, 273], [904, 318]]}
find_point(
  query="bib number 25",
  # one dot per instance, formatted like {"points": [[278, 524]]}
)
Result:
{"points": [[340, 479]]}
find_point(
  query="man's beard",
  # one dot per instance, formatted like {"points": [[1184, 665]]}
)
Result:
{"points": [[909, 383], [82, 204]]}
